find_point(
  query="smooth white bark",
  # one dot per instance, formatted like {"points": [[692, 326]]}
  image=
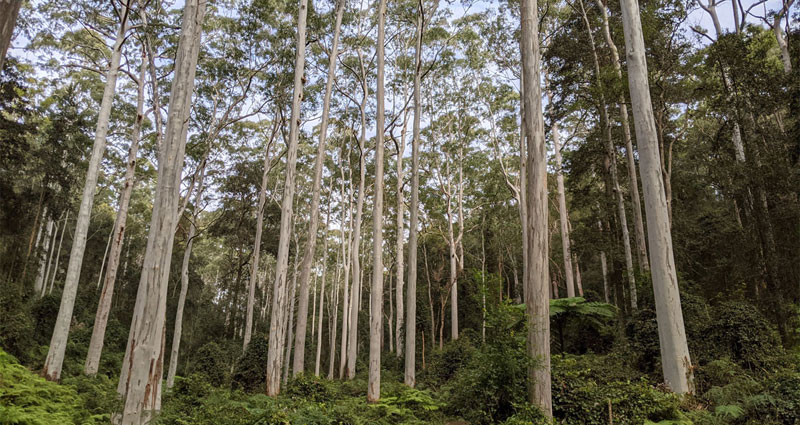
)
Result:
{"points": [[58, 255], [638, 219], [58, 342], [411, 291], [355, 251], [277, 334], [118, 234], [675, 360], [563, 214], [536, 279], [142, 368], [313, 224], [262, 200], [376, 310]]}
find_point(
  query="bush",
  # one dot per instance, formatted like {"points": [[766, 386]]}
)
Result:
{"points": [[527, 414], [193, 400], [445, 363], [309, 387], [251, 369], [642, 334], [408, 406], [17, 326], [210, 361], [740, 332], [579, 397], [494, 381]]}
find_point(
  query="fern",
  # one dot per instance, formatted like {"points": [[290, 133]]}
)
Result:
{"points": [[732, 411]]}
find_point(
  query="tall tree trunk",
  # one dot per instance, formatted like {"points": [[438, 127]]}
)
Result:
{"points": [[355, 251], [255, 261], [314, 293], [322, 289], [430, 298], [334, 306], [308, 254], [105, 255], [400, 249], [287, 355], [9, 10], [58, 342], [347, 217], [46, 244], [38, 223], [277, 334], [58, 255], [104, 305], [536, 280], [611, 153], [604, 269], [49, 266], [452, 284], [376, 312], [638, 220], [346, 263], [413, 232], [142, 368], [675, 360], [187, 254], [563, 214]]}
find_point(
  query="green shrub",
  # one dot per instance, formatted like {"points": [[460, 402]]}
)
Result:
{"points": [[210, 361], [17, 327], [781, 401], [527, 414], [408, 406], [740, 332], [589, 325], [309, 387], [251, 369], [494, 381], [579, 397], [642, 335], [445, 363]]}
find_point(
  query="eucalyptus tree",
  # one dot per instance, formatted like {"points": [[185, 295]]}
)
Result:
{"points": [[187, 253], [58, 343], [118, 234], [359, 71], [277, 334], [611, 156], [313, 224], [142, 368], [563, 213], [638, 220], [376, 308], [409, 376], [537, 299], [675, 360]]}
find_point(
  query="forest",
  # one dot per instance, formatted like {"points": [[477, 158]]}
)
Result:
{"points": [[400, 212]]}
